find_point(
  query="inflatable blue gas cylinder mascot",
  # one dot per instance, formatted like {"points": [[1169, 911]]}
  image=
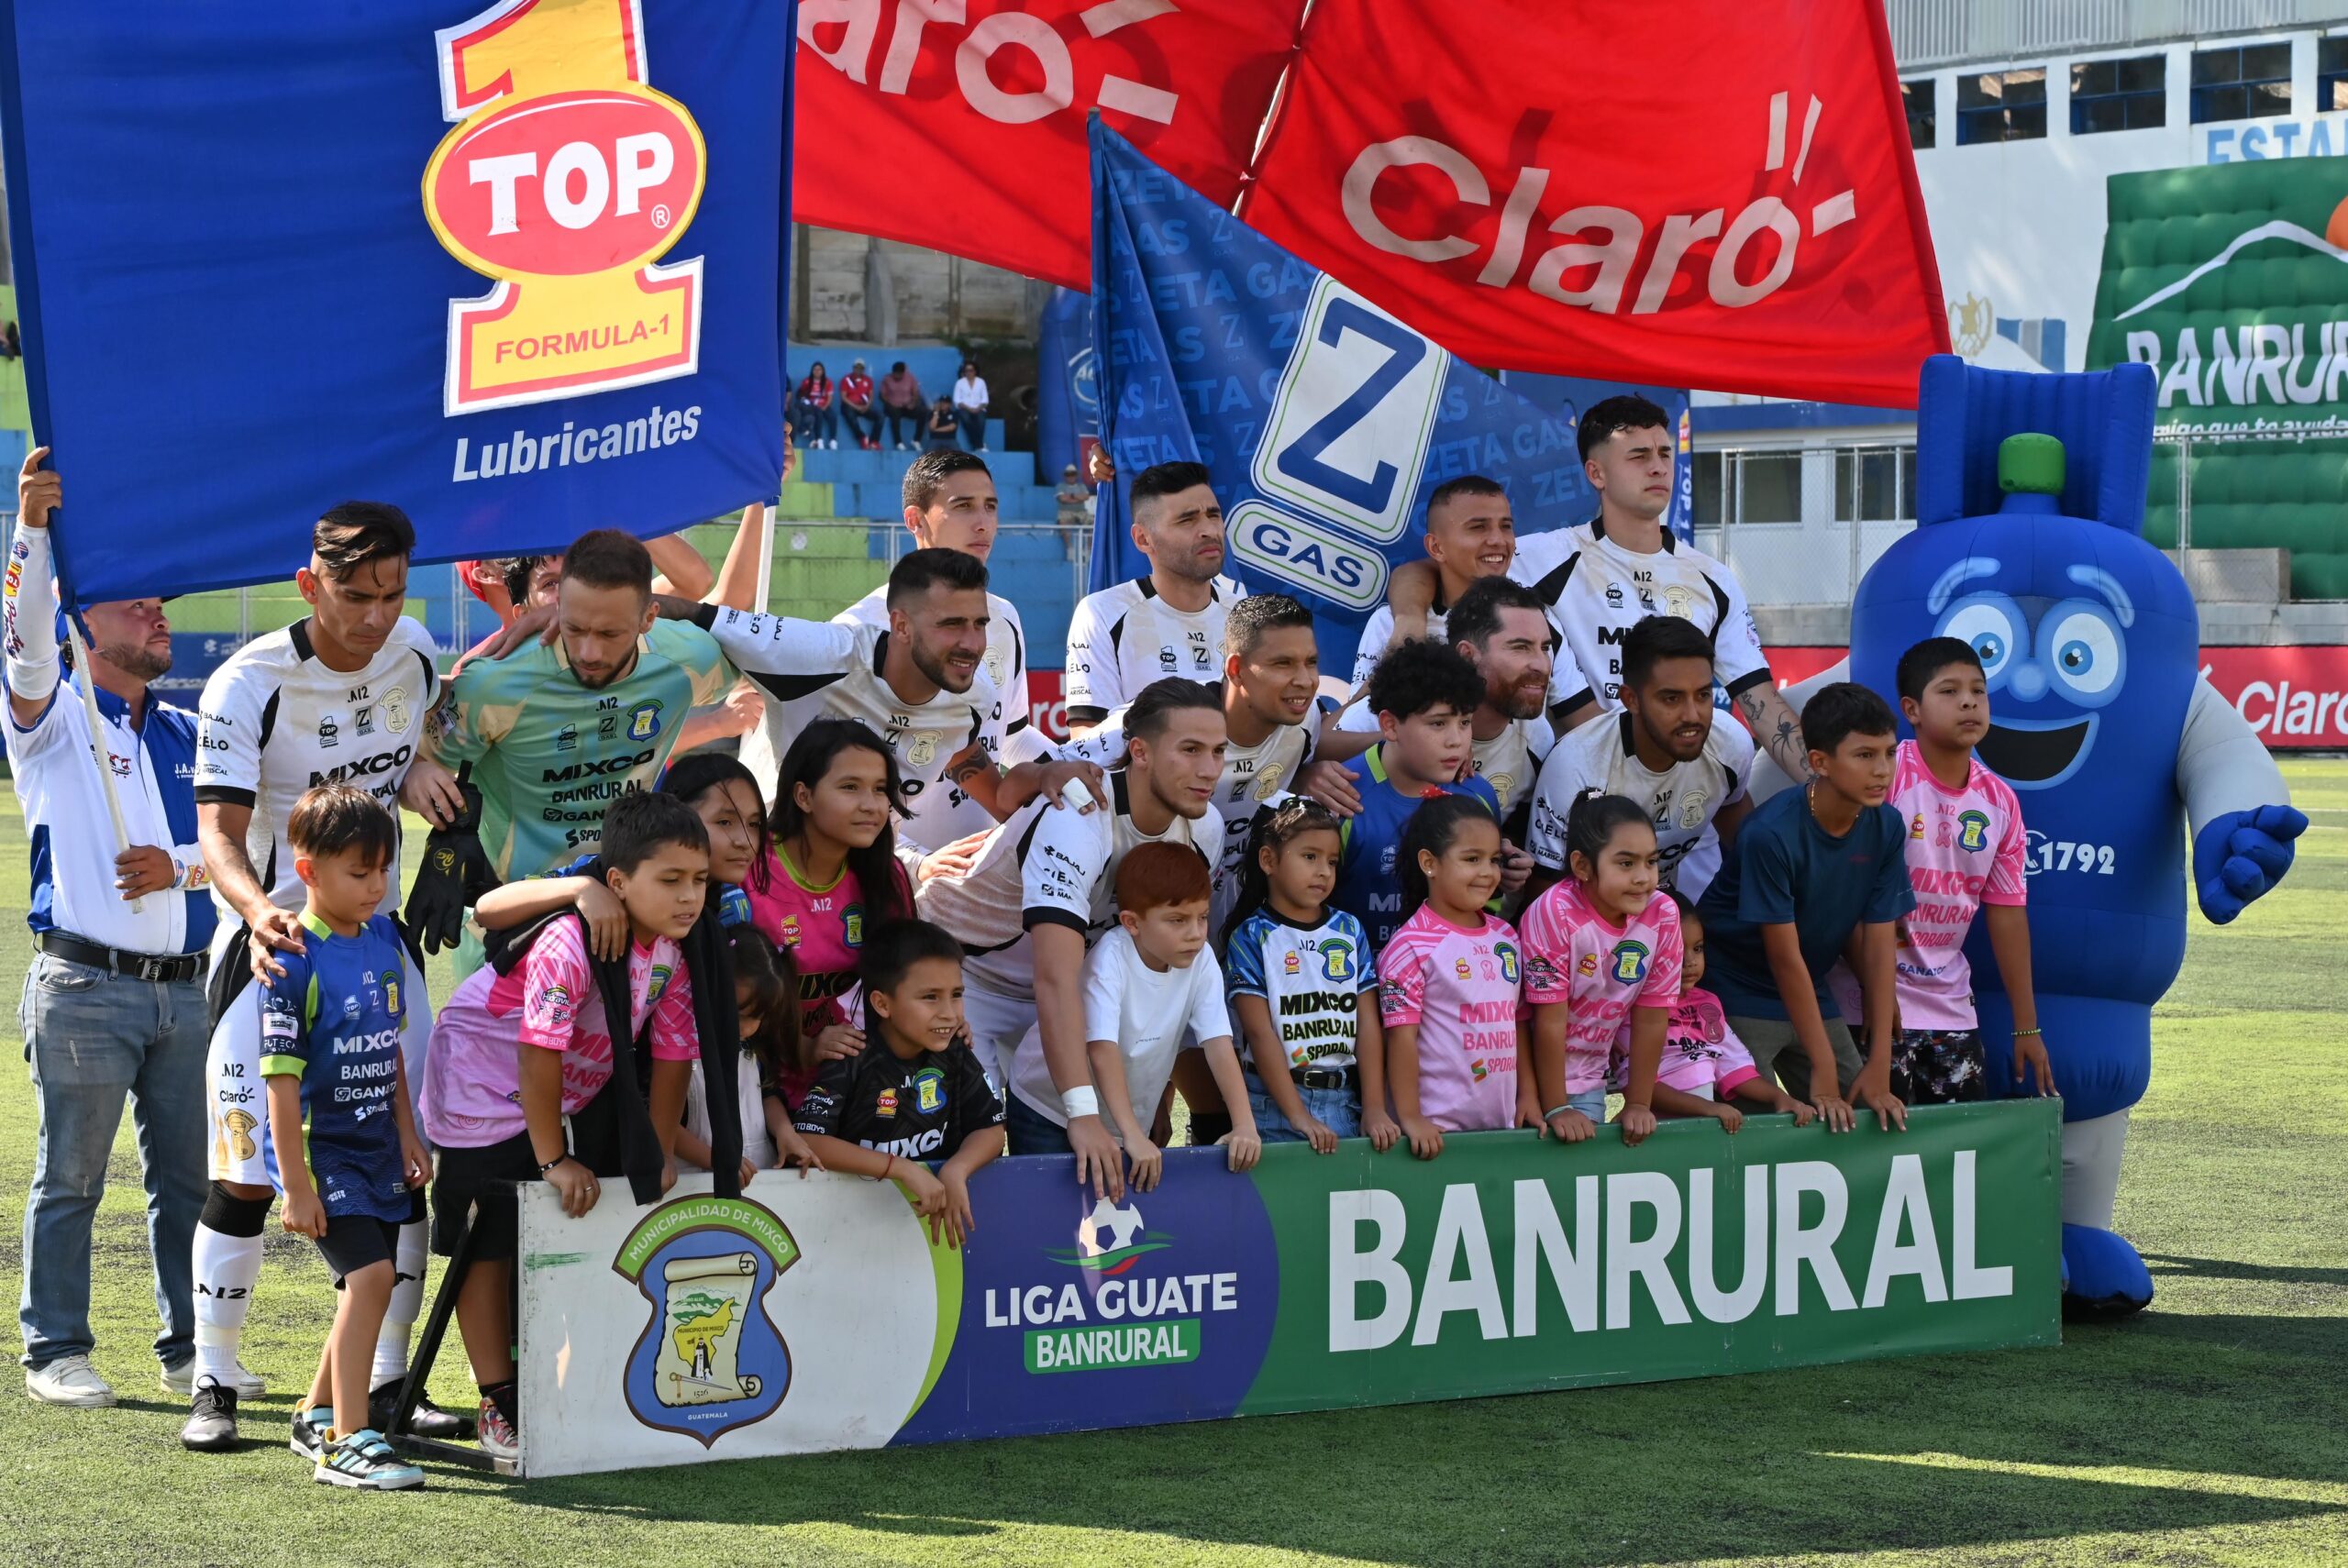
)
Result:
{"points": [[2029, 510]]}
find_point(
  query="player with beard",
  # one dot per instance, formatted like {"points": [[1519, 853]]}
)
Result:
{"points": [[339, 697], [1168, 623], [1667, 750], [1041, 889]]}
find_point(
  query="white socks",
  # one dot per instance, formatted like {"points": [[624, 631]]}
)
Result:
{"points": [[407, 1299], [226, 1268]]}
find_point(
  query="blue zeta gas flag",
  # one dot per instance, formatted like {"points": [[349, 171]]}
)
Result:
{"points": [[1324, 421], [515, 266]]}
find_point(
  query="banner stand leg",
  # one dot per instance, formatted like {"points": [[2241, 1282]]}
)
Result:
{"points": [[419, 1370]]}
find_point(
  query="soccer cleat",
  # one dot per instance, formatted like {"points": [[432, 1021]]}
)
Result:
{"points": [[426, 1419], [69, 1380], [310, 1429], [181, 1380], [498, 1438], [364, 1462], [211, 1420]]}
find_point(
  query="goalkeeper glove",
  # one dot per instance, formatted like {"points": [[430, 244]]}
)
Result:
{"points": [[456, 872]]}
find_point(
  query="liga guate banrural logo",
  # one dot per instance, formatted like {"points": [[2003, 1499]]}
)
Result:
{"points": [[710, 1360], [1121, 1316], [565, 180]]}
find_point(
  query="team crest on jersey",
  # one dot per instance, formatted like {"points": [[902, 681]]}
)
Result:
{"points": [[1677, 600], [396, 713], [1506, 953], [657, 983], [644, 720], [1630, 962], [1691, 808], [1503, 785], [392, 989], [1266, 786], [929, 1091], [710, 1360], [922, 750], [994, 662], [1337, 958], [1973, 831], [852, 925]]}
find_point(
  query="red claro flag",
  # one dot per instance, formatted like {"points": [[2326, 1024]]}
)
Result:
{"points": [[1718, 195], [960, 124]]}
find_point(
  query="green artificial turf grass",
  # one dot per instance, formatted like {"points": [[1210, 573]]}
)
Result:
{"points": [[2207, 1430]]}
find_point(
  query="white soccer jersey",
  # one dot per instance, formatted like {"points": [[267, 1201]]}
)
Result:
{"points": [[957, 814], [274, 720], [1251, 775], [1510, 761], [811, 669], [1596, 591], [1377, 636], [1123, 638], [1682, 802], [1047, 863]]}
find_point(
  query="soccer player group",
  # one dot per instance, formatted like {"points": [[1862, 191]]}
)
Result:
{"points": [[1517, 871]]}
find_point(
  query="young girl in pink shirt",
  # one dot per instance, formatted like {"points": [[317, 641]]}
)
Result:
{"points": [[1602, 948], [1705, 1067], [1447, 983]]}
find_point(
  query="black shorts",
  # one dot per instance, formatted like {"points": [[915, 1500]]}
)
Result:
{"points": [[354, 1242], [473, 1181]]}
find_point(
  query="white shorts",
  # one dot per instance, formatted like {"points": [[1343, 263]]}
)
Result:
{"points": [[235, 1100], [996, 1023]]}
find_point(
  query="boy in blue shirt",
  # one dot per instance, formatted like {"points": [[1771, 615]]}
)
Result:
{"points": [[1425, 695], [1818, 873], [330, 1051]]}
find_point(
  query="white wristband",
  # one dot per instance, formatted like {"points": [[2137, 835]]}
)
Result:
{"points": [[1085, 1102]]}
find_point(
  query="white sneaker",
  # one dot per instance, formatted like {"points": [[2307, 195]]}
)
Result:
{"points": [[181, 1380], [69, 1380]]}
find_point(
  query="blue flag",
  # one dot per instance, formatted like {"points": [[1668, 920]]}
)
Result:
{"points": [[1325, 421], [517, 269]]}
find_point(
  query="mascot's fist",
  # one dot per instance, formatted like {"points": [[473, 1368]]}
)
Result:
{"points": [[2240, 855]]}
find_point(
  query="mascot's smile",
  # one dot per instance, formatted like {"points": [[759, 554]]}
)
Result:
{"points": [[2036, 754]]}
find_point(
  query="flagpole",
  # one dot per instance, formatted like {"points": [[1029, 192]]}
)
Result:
{"points": [[99, 751]]}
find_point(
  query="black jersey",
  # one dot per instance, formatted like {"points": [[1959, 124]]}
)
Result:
{"points": [[918, 1109]]}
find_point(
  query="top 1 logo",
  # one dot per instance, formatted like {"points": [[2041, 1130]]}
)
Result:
{"points": [[564, 180]]}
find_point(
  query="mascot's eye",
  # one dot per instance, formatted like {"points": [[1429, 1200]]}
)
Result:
{"points": [[2083, 653], [1988, 626]]}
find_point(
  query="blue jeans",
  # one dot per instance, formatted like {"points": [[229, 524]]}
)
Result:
{"points": [[810, 424], [905, 424], [974, 426], [863, 424], [1338, 1109], [92, 1038], [1031, 1131]]}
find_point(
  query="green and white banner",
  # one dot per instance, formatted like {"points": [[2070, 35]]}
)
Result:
{"points": [[813, 1313]]}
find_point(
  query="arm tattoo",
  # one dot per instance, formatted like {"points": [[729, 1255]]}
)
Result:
{"points": [[1780, 736]]}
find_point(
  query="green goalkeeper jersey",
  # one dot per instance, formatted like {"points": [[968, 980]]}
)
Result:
{"points": [[550, 753]]}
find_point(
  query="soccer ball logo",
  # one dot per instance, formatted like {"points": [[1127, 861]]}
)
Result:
{"points": [[1122, 1222]]}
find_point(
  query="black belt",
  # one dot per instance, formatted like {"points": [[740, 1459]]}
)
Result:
{"points": [[137, 965], [1323, 1078]]}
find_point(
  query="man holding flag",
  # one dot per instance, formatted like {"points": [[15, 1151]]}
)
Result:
{"points": [[113, 1001]]}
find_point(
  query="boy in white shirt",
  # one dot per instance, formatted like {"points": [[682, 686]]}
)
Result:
{"points": [[1146, 982]]}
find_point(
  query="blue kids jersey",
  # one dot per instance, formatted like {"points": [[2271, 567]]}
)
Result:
{"points": [[1368, 888], [1782, 869], [1310, 976], [333, 1020]]}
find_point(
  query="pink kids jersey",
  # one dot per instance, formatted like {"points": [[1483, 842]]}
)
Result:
{"points": [[473, 1072], [1459, 986], [1700, 1051], [1965, 848], [1600, 970]]}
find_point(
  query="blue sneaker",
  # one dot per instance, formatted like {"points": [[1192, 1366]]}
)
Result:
{"points": [[364, 1462], [310, 1433]]}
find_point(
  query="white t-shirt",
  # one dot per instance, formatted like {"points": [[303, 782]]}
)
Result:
{"points": [[1596, 591], [1682, 802], [1123, 638], [938, 820], [1045, 864], [810, 669], [1252, 776], [1147, 1011], [274, 721]]}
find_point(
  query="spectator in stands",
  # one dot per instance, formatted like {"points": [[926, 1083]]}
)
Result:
{"points": [[113, 1004], [811, 409], [1073, 497], [12, 347], [945, 428], [970, 405], [857, 411], [901, 402]]}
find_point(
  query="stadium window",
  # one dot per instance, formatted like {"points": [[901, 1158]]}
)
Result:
{"points": [[1922, 99], [2001, 105], [1867, 484], [2331, 74], [2118, 94], [1706, 469], [1768, 487], [2250, 82]]}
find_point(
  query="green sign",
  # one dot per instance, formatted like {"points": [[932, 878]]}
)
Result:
{"points": [[1508, 1266]]}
